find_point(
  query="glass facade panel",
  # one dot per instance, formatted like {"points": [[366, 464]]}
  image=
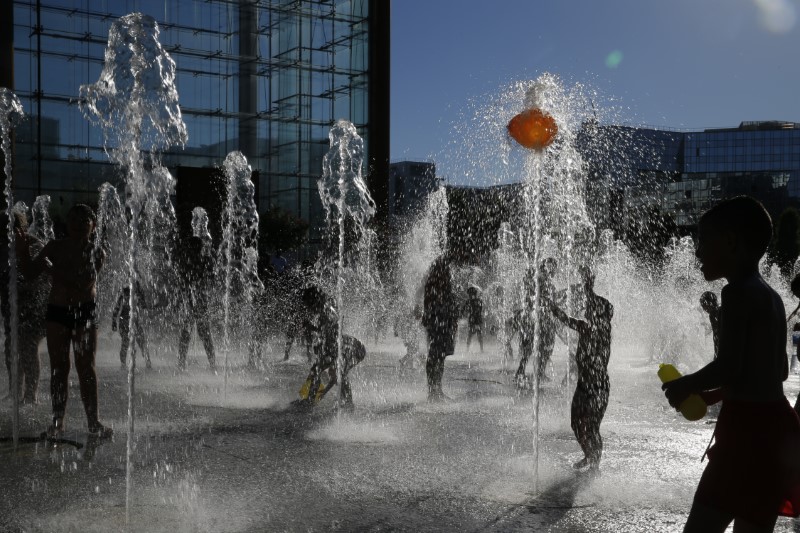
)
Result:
{"points": [[273, 90]]}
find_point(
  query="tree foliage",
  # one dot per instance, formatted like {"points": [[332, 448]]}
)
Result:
{"points": [[278, 229], [786, 243]]}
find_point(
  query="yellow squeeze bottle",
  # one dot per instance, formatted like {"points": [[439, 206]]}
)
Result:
{"points": [[304, 389], [694, 407]]}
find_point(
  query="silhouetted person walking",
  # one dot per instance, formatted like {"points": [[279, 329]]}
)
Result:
{"points": [[440, 320]]}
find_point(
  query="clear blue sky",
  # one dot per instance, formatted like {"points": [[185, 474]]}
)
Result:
{"points": [[687, 64]]}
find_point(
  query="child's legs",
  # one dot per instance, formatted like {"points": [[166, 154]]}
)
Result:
{"points": [[183, 342], [598, 401], [434, 367], [58, 342], [85, 348], [29, 364], [525, 348], [315, 376], [353, 352], [124, 333], [142, 340], [7, 337], [742, 526], [546, 344], [347, 394], [204, 332], [580, 421], [704, 519], [291, 332]]}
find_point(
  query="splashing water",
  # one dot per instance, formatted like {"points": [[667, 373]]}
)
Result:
{"points": [[10, 115], [424, 239], [135, 103], [345, 197], [112, 237], [239, 243], [200, 224], [41, 225]]}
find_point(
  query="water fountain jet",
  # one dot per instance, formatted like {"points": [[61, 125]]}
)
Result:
{"points": [[345, 196], [10, 114], [135, 101]]}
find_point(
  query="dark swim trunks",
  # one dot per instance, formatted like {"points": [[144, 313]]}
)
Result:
{"points": [[73, 317], [753, 469]]}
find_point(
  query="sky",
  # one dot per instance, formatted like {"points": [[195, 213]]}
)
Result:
{"points": [[683, 64]]}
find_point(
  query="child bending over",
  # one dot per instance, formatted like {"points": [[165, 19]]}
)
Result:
{"points": [[324, 324]]}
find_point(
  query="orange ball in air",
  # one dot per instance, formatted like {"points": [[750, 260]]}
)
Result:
{"points": [[533, 129]]}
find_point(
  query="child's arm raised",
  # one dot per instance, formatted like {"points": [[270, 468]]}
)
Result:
{"points": [[572, 323], [31, 268]]}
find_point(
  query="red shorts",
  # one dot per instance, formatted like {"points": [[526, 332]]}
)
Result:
{"points": [[754, 465]]}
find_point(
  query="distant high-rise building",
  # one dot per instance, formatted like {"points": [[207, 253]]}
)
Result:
{"points": [[410, 183], [265, 78]]}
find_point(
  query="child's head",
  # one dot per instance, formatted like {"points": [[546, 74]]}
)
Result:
{"points": [[734, 233], [472, 292], [313, 296], [708, 301], [80, 221]]}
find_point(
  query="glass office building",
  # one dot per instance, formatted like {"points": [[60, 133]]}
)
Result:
{"points": [[267, 78], [761, 159], [685, 173]]}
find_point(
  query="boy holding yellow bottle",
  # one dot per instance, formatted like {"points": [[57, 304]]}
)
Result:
{"points": [[753, 474]]}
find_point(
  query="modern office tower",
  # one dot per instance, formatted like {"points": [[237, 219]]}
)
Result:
{"points": [[683, 173], [266, 78]]}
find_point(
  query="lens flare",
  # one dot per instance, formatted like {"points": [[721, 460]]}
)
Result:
{"points": [[777, 16], [614, 59]]}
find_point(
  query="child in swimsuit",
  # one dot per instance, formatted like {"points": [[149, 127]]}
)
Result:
{"points": [[71, 318]]}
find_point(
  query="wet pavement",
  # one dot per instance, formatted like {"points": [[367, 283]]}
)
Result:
{"points": [[234, 455]]}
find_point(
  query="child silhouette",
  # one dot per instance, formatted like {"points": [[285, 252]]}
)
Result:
{"points": [[753, 471], [592, 389], [73, 263]]}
